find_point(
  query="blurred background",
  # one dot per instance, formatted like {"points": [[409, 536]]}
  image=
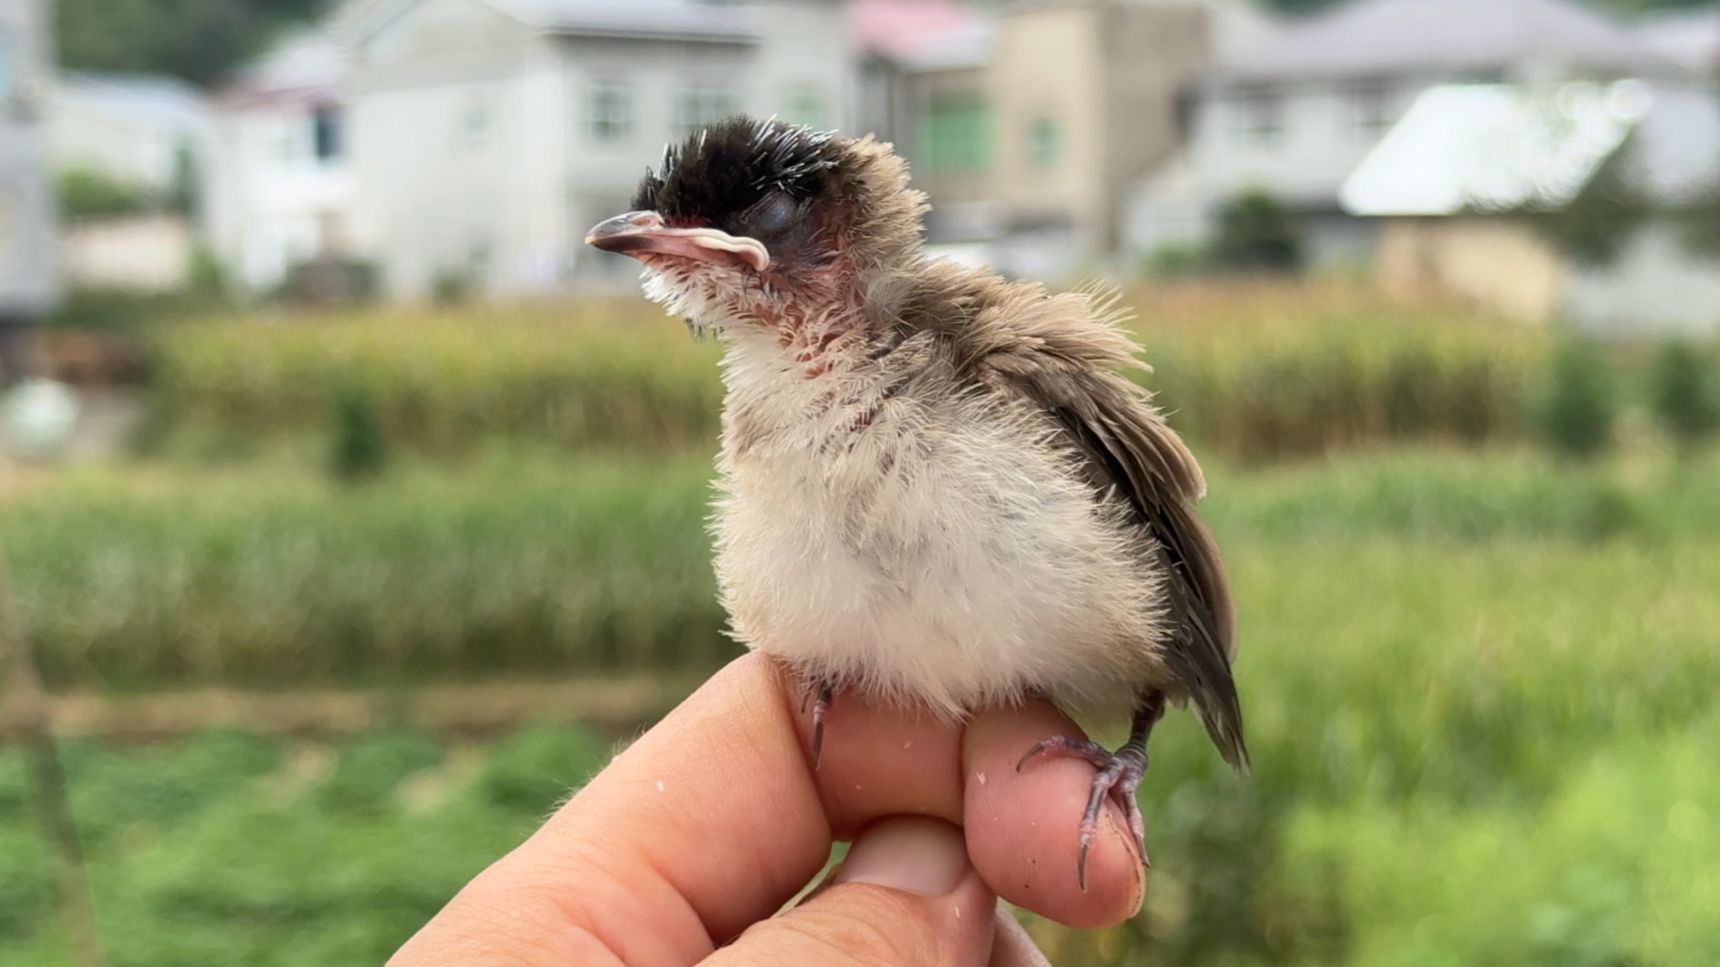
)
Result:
{"points": [[353, 511]]}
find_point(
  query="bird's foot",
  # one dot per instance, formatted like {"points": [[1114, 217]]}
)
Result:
{"points": [[819, 693], [1119, 776]]}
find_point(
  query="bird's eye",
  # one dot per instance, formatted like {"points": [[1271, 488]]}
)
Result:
{"points": [[774, 214]]}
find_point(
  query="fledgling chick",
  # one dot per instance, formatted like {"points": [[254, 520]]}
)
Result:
{"points": [[936, 488]]}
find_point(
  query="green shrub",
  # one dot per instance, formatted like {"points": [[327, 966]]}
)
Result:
{"points": [[1686, 396], [90, 193], [357, 448], [1256, 232], [1577, 408]]}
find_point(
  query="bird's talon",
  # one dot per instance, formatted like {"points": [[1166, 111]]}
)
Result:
{"points": [[822, 695]]}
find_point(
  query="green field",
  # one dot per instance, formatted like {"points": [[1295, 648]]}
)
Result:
{"points": [[1478, 678], [1479, 689]]}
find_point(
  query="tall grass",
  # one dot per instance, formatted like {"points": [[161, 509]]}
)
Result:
{"points": [[1254, 370], [1473, 743], [541, 564]]}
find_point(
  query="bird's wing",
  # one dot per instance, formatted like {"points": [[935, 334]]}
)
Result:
{"points": [[1063, 353]]}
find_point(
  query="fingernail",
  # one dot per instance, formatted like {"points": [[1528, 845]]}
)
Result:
{"points": [[924, 856]]}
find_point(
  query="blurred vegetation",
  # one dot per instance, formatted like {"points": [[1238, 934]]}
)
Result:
{"points": [[88, 193], [1478, 676], [1479, 694], [202, 41], [1595, 228], [1686, 395], [1256, 370], [521, 565], [1578, 407], [1256, 232], [357, 447]]}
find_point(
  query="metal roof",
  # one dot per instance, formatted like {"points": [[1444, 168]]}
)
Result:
{"points": [[672, 19], [1495, 148], [1394, 37], [1689, 37], [146, 98]]}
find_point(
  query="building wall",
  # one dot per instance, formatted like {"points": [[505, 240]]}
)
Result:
{"points": [[457, 134], [1151, 52], [1048, 82], [149, 253], [1496, 263], [28, 272], [274, 203], [1323, 132], [475, 136]]}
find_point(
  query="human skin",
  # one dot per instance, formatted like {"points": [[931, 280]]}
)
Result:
{"points": [[687, 847]]}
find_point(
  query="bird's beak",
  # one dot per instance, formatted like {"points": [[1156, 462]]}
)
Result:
{"points": [[641, 233]]}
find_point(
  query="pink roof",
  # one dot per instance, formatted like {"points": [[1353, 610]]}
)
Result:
{"points": [[900, 29]]}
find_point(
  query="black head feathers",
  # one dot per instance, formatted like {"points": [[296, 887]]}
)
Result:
{"points": [[731, 166]]}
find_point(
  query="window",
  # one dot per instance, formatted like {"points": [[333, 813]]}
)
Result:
{"points": [[956, 134], [326, 134], [805, 106], [1044, 143], [1371, 108], [702, 105], [611, 114], [474, 123], [1261, 114]]}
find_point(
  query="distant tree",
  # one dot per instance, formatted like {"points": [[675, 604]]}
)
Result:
{"points": [[1686, 396], [1596, 226], [1256, 232], [1577, 407], [201, 41], [1702, 224], [358, 447]]}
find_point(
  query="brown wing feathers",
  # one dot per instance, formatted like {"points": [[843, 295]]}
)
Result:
{"points": [[1067, 366]]}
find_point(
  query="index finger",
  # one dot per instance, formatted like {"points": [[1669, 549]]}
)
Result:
{"points": [[709, 822]]}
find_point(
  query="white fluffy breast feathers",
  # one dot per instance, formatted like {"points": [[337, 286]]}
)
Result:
{"points": [[950, 567]]}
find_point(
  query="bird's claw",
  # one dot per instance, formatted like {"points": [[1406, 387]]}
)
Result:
{"points": [[1119, 776], [820, 694]]}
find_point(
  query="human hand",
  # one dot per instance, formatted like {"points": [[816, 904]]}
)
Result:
{"points": [[687, 846]]}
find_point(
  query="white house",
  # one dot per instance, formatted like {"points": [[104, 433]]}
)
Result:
{"points": [[283, 193], [1296, 114], [488, 135], [1460, 182]]}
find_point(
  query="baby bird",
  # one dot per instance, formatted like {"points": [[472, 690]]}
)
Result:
{"points": [[936, 488]]}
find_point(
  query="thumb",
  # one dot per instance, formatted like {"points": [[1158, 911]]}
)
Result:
{"points": [[906, 895]]}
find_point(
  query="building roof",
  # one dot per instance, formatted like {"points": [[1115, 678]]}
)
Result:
{"points": [[307, 64], [927, 34], [1688, 37], [1393, 37], [680, 19], [1495, 148], [146, 99]]}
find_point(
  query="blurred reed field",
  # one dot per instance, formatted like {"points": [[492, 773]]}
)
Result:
{"points": [[1256, 370], [1474, 565]]}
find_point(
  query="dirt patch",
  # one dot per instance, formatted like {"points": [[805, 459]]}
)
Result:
{"points": [[611, 704]]}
